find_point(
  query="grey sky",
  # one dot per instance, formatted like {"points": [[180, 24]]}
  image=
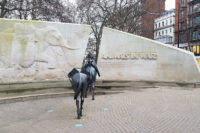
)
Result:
{"points": [[72, 1], [168, 5]]}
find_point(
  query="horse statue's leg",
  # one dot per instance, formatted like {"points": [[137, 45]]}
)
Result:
{"points": [[82, 101], [93, 88], [86, 91], [77, 106], [90, 87]]}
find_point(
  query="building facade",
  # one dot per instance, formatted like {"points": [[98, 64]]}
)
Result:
{"points": [[181, 32], [194, 26], [154, 8], [187, 26], [164, 27]]}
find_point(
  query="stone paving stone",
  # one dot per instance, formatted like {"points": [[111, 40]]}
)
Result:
{"points": [[153, 110]]}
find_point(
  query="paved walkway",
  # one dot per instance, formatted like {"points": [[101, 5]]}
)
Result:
{"points": [[153, 110]]}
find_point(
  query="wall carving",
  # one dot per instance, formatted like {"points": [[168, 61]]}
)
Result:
{"points": [[35, 50]]}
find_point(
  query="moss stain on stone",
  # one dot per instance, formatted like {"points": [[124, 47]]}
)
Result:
{"points": [[7, 34], [6, 40]]}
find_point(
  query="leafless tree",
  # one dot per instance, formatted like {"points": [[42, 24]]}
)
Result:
{"points": [[52, 10], [6, 7], [49, 10], [118, 14]]}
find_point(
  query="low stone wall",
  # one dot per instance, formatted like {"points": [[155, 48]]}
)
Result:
{"points": [[124, 56], [40, 51]]}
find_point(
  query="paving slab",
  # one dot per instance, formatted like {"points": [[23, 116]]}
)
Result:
{"points": [[152, 110]]}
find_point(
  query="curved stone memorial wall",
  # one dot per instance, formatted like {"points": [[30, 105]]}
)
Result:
{"points": [[124, 56], [37, 51]]}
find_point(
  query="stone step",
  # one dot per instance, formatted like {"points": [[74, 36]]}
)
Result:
{"points": [[31, 88], [69, 94]]}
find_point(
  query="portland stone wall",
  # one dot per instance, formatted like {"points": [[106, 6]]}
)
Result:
{"points": [[37, 51], [125, 56]]}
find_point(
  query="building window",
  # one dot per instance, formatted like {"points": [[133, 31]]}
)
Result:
{"points": [[196, 21], [159, 25], [159, 33], [156, 34], [181, 14], [166, 22], [196, 35], [182, 4], [165, 31], [170, 40], [162, 32], [181, 38], [196, 8], [181, 26], [170, 21], [163, 23], [170, 30], [190, 9], [190, 23]]}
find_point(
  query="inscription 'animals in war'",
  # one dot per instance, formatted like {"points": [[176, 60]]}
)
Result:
{"points": [[133, 56]]}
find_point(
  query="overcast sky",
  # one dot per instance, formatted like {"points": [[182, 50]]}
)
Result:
{"points": [[168, 5]]}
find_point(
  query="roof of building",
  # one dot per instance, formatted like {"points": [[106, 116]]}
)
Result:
{"points": [[168, 12]]}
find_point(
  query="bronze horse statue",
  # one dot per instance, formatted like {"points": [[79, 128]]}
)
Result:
{"points": [[89, 67], [79, 84]]}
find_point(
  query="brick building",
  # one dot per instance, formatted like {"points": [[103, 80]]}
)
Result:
{"points": [[194, 25], [154, 9], [181, 32], [187, 25]]}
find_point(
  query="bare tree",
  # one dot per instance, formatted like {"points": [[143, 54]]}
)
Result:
{"points": [[118, 14], [49, 10], [52, 10], [6, 7]]}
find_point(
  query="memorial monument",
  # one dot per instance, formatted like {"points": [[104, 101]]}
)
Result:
{"points": [[45, 51]]}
